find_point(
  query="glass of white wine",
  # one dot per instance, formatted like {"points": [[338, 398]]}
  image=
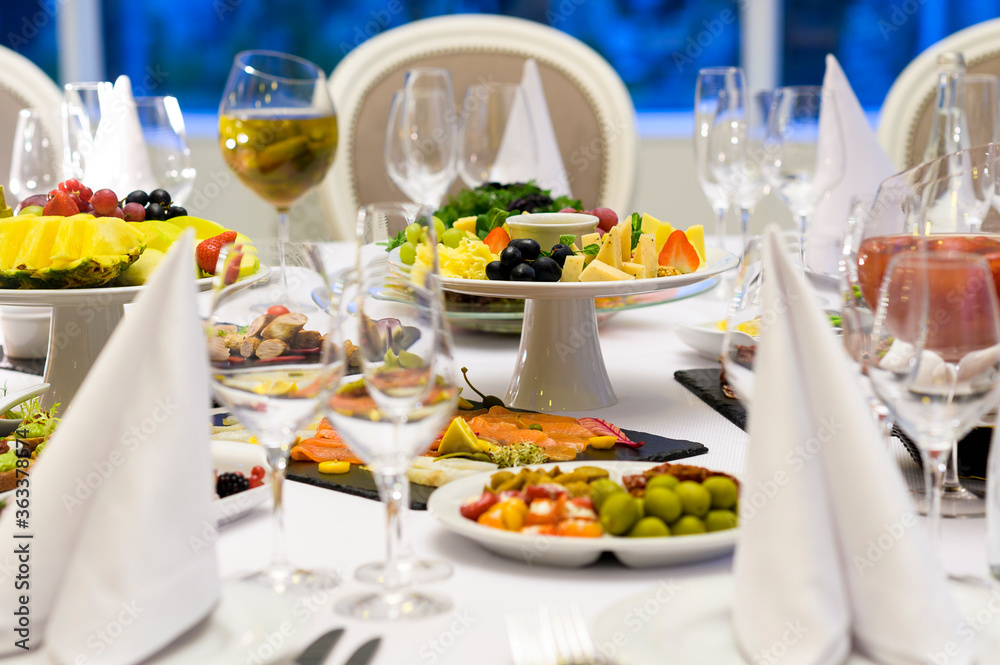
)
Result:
{"points": [[398, 397], [272, 367]]}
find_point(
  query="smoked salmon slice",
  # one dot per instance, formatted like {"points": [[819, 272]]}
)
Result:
{"points": [[310, 450]]}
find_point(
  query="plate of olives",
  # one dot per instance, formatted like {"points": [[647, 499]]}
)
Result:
{"points": [[568, 514]]}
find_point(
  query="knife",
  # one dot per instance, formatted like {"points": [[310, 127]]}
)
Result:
{"points": [[365, 652], [316, 653]]}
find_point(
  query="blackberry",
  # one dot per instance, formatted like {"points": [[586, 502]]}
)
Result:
{"points": [[231, 483]]}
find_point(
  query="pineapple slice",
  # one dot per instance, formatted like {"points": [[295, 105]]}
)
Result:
{"points": [[37, 247], [12, 235]]}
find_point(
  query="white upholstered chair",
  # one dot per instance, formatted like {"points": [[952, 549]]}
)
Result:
{"points": [[22, 85], [905, 122], [591, 110]]}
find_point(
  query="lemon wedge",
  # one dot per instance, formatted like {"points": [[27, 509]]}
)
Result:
{"points": [[275, 387], [751, 327], [334, 466]]}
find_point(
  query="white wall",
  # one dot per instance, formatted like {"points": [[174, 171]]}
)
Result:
{"points": [[667, 188]]}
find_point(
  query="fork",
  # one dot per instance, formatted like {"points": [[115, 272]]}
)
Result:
{"points": [[553, 636]]}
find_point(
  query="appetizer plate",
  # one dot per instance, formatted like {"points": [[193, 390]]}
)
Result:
{"points": [[705, 338], [692, 623], [565, 552], [230, 456]]}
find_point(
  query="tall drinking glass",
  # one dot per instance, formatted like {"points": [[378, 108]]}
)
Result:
{"points": [[801, 169], [277, 127], [272, 368], [36, 164], [483, 137], [166, 146], [717, 89], [401, 399]]}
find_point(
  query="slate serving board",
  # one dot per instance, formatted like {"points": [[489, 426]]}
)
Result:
{"points": [[973, 450], [34, 366], [360, 482]]}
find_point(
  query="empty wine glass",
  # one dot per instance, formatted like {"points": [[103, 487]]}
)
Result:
{"points": [[400, 400], [736, 150], [36, 164], [272, 366], [421, 141], [166, 146], [801, 168], [935, 358], [717, 88], [484, 137]]}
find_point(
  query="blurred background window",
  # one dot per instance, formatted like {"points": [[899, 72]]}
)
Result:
{"points": [[185, 47]]}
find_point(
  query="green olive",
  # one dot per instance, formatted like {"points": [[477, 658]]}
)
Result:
{"points": [[663, 503], [688, 525], [695, 498], [720, 520], [649, 527], [723, 491], [619, 513], [601, 489], [662, 480]]}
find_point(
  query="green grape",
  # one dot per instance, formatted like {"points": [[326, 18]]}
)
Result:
{"points": [[452, 237], [413, 233], [439, 228], [407, 253]]}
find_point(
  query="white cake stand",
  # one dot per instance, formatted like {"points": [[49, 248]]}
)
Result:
{"points": [[559, 365], [82, 322]]}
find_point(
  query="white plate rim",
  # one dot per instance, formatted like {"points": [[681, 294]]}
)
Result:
{"points": [[444, 501]]}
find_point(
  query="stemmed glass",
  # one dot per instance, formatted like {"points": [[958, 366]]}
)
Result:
{"points": [[36, 164], [277, 127], [935, 355], [736, 150], [421, 139], [271, 366], [717, 89], [166, 145], [802, 169], [402, 398], [483, 137]]}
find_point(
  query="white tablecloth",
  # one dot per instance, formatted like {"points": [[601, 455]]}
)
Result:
{"points": [[329, 529]]}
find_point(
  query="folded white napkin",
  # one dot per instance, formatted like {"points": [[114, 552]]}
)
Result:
{"points": [[531, 111], [122, 558], [832, 557], [865, 163], [118, 158]]}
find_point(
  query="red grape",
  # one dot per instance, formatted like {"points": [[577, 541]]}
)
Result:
{"points": [[568, 210], [277, 310], [607, 218], [86, 193], [72, 185], [134, 212], [35, 200], [85, 206], [105, 202], [117, 213]]}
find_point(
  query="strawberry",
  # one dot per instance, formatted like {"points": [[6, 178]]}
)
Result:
{"points": [[678, 252], [207, 253], [497, 239], [61, 204]]}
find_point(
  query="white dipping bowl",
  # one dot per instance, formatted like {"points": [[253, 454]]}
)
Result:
{"points": [[25, 331], [546, 227]]}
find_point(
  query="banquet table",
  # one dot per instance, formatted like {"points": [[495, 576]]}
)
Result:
{"points": [[339, 531]]}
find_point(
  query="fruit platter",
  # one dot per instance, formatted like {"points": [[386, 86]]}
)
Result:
{"points": [[86, 254], [567, 515], [558, 262]]}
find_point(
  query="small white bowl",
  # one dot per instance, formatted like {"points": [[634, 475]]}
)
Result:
{"points": [[25, 331], [546, 227]]}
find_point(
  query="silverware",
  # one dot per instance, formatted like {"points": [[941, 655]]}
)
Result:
{"points": [[316, 653], [365, 652], [552, 637]]}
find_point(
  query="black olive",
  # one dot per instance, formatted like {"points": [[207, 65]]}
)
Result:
{"points": [[510, 257], [546, 270], [494, 270], [523, 273], [530, 249]]}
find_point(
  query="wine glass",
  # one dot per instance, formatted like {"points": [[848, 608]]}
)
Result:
{"points": [[421, 139], [747, 315], [277, 127], [935, 354], [271, 367], [736, 150], [402, 398], [717, 89], [483, 137], [36, 164], [166, 146], [857, 317], [799, 167]]}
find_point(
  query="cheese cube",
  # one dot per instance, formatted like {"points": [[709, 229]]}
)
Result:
{"points": [[572, 268], [598, 271], [696, 236], [624, 229], [637, 270], [649, 224], [645, 254], [467, 224], [611, 250], [590, 239]]}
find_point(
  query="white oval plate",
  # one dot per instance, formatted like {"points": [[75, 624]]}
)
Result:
{"points": [[231, 456], [567, 552], [692, 623], [705, 338], [718, 261]]}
